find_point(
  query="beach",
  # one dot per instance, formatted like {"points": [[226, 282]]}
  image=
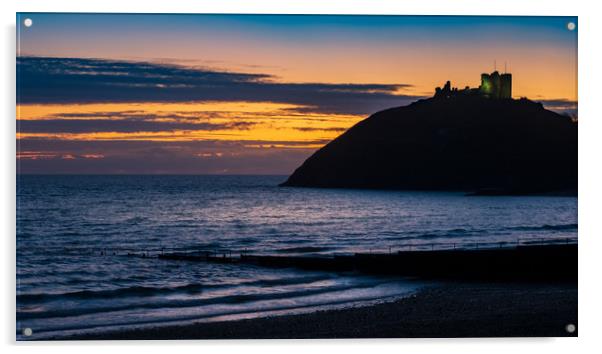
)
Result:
{"points": [[450, 310]]}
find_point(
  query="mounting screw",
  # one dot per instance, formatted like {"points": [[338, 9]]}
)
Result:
{"points": [[27, 22], [570, 328], [27, 332], [571, 26]]}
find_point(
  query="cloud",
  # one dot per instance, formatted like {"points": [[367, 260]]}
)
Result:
{"points": [[121, 126], [78, 80], [147, 157], [561, 105], [311, 129]]}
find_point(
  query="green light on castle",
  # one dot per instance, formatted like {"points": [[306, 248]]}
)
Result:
{"points": [[496, 86], [485, 87]]}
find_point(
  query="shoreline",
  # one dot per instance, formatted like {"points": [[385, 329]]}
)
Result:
{"points": [[450, 310]]}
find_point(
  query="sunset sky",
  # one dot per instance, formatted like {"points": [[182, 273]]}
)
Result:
{"points": [[252, 94]]}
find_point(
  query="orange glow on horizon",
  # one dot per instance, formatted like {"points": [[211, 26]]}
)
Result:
{"points": [[262, 121]]}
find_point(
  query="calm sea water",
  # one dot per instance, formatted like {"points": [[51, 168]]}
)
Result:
{"points": [[66, 285]]}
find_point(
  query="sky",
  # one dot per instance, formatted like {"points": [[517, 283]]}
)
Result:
{"points": [[252, 94]]}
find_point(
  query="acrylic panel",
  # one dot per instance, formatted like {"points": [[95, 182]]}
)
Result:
{"points": [[207, 176]]}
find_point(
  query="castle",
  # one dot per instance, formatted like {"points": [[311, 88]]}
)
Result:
{"points": [[494, 85]]}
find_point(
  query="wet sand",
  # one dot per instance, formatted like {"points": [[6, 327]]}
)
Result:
{"points": [[452, 310]]}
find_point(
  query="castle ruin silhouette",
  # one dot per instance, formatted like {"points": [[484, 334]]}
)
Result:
{"points": [[494, 85]]}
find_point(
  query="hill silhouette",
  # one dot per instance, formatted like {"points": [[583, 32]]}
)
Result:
{"points": [[462, 142]]}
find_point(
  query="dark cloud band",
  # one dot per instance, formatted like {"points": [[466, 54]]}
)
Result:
{"points": [[122, 126], [77, 80]]}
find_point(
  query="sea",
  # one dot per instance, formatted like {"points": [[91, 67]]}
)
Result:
{"points": [[86, 244]]}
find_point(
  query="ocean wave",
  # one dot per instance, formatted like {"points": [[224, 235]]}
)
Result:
{"points": [[259, 312], [429, 235], [145, 291], [228, 299], [247, 240], [544, 227], [461, 232], [307, 249], [135, 220]]}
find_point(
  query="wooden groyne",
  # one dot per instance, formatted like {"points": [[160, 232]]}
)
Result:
{"points": [[529, 262]]}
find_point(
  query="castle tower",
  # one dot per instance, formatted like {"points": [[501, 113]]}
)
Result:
{"points": [[495, 85], [486, 85], [506, 85]]}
